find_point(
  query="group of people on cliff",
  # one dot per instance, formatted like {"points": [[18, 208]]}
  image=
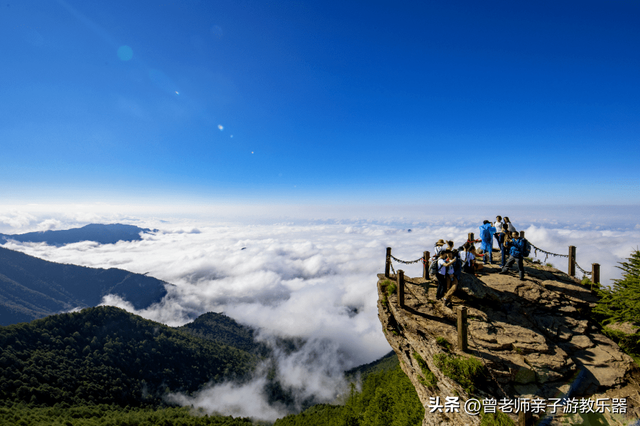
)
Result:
{"points": [[448, 263]]}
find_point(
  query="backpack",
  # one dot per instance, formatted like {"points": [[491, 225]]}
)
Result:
{"points": [[433, 267], [526, 249], [485, 234]]}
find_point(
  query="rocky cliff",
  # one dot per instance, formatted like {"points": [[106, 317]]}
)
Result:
{"points": [[526, 339]]}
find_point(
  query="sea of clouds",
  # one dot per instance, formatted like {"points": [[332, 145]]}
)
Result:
{"points": [[308, 273]]}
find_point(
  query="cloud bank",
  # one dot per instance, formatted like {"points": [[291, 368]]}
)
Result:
{"points": [[309, 278]]}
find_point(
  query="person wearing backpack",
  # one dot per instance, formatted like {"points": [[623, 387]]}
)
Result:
{"points": [[486, 235], [517, 249]]}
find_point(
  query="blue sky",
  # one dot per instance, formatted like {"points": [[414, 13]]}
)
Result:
{"points": [[320, 102]]}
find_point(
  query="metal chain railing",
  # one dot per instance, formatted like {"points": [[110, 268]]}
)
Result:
{"points": [[581, 270], [547, 253], [406, 262]]}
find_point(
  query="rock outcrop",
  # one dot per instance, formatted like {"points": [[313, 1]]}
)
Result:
{"points": [[533, 338]]}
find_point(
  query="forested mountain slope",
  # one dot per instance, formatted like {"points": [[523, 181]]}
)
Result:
{"points": [[33, 288], [107, 355]]}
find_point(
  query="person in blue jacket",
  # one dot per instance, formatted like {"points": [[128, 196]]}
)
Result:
{"points": [[486, 235], [516, 253]]}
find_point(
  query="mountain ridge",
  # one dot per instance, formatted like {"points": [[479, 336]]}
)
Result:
{"points": [[106, 355], [100, 233], [33, 288]]}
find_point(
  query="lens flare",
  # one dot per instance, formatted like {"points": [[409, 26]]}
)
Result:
{"points": [[220, 126], [125, 53]]}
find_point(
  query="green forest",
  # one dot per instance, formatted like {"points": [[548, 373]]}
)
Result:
{"points": [[106, 366], [109, 415], [387, 398], [621, 305], [105, 355]]}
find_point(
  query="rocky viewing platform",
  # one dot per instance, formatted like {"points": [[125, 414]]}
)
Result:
{"points": [[532, 347]]}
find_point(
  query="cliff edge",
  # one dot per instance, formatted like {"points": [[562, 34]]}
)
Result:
{"points": [[532, 347]]}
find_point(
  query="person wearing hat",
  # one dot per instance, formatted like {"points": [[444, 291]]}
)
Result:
{"points": [[438, 248]]}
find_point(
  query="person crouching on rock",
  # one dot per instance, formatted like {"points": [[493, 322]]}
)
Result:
{"points": [[453, 272], [467, 258], [516, 253], [477, 266]]}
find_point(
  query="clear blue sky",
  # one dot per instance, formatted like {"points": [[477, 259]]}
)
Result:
{"points": [[320, 102]]}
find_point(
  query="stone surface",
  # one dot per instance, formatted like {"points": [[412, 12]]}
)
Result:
{"points": [[531, 335], [582, 342]]}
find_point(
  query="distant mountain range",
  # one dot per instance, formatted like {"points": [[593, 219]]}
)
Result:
{"points": [[32, 288], [103, 234]]}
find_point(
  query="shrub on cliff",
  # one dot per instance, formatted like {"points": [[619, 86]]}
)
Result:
{"points": [[621, 304]]}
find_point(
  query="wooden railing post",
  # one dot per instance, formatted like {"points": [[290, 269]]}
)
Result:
{"points": [[462, 328], [595, 273], [572, 261], [470, 237], [425, 269], [521, 234], [401, 288], [524, 418], [387, 263]]}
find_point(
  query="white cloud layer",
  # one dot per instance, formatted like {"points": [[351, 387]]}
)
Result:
{"points": [[310, 277]]}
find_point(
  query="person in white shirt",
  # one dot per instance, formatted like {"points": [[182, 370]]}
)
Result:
{"points": [[500, 229], [445, 267], [467, 258]]}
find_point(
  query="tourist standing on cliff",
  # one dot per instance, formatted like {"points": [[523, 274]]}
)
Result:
{"points": [[516, 253], [454, 275], [439, 247], [486, 234], [441, 275], [500, 233], [450, 245], [509, 225]]}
